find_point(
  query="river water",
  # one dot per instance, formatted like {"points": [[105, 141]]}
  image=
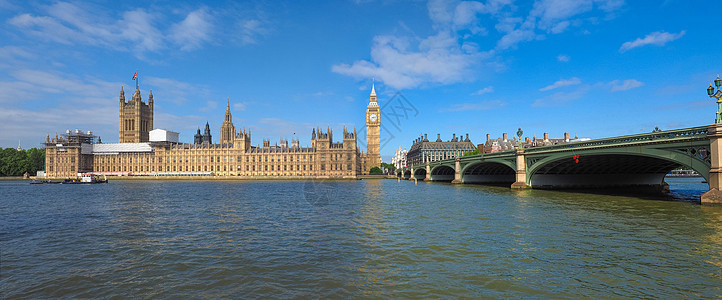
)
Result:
{"points": [[342, 239]]}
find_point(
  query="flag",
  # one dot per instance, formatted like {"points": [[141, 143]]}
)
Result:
{"points": [[135, 75]]}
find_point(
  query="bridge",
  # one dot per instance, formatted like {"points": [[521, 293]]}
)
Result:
{"points": [[638, 161]]}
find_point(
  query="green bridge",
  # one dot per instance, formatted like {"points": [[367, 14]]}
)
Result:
{"points": [[638, 161]]}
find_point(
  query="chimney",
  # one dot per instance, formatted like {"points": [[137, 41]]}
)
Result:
{"points": [[487, 137], [504, 135], [425, 137], [526, 140], [566, 137], [467, 136], [438, 137], [546, 136]]}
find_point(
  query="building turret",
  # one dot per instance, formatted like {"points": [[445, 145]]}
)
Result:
{"points": [[228, 131], [198, 138], [122, 95], [207, 138]]}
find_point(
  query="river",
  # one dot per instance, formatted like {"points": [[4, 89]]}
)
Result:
{"points": [[343, 239]]}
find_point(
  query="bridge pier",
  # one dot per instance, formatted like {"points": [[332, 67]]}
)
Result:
{"points": [[520, 182], [457, 171], [428, 172], [714, 195]]}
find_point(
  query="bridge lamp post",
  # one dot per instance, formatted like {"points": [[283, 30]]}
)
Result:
{"points": [[718, 95]]}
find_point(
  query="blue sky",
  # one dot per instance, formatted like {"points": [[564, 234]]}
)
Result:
{"points": [[594, 68]]}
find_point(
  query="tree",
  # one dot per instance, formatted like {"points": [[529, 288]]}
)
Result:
{"points": [[16, 163], [375, 171], [389, 167], [475, 152]]}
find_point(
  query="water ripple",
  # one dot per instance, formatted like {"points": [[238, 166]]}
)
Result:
{"points": [[342, 239]]}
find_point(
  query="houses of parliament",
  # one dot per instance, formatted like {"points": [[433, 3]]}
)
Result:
{"points": [[141, 151]]}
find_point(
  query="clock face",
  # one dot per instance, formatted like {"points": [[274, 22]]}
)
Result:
{"points": [[373, 117]]}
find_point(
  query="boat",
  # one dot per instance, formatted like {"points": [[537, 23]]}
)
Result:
{"points": [[85, 179], [45, 182]]}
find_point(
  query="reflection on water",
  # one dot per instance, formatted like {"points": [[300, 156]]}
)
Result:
{"points": [[341, 239]]}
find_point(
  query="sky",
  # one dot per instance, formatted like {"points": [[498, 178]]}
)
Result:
{"points": [[593, 68]]}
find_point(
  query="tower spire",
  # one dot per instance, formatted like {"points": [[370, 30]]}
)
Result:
{"points": [[373, 87]]}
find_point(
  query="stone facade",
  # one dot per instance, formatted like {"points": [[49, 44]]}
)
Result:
{"points": [[78, 152], [423, 151], [372, 157], [399, 159], [136, 118], [505, 144]]}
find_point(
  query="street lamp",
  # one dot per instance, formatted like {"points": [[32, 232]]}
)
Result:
{"points": [[519, 133], [718, 95]]}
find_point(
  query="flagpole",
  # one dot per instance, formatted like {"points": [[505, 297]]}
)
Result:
{"points": [[136, 80]]}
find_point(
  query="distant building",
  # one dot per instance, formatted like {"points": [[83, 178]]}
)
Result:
{"points": [[159, 153], [423, 151], [399, 159], [506, 144]]}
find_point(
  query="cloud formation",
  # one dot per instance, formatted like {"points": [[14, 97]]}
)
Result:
{"points": [[139, 31], [561, 83], [628, 84], [488, 89], [658, 38]]}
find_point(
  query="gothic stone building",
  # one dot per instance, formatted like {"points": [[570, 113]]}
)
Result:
{"points": [[144, 152]]}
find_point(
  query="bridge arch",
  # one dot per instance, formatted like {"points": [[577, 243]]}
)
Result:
{"points": [[420, 174], [605, 168], [494, 172], [442, 173], [406, 174]]}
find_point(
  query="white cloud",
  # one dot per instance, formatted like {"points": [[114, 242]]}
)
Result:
{"points": [[193, 31], [552, 13], [625, 85], [139, 31], [436, 59], [485, 90], [443, 57], [251, 30], [561, 83], [550, 16], [210, 106], [563, 58], [240, 106], [172, 91], [484, 105], [658, 38], [560, 98]]}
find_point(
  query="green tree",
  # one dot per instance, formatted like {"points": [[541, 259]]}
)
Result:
{"points": [[375, 171], [16, 163], [389, 167], [12, 162], [36, 160], [475, 152]]}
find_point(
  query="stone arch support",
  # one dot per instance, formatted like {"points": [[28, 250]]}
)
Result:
{"points": [[632, 166]]}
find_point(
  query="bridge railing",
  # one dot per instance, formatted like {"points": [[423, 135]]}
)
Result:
{"points": [[685, 133]]}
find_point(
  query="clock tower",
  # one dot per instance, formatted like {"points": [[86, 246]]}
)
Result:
{"points": [[373, 132]]}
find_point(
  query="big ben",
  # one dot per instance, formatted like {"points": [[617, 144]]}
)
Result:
{"points": [[373, 132]]}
